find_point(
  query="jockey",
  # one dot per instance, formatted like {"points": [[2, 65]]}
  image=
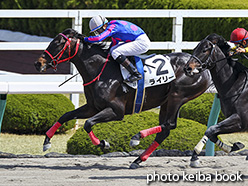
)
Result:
{"points": [[134, 41], [239, 37]]}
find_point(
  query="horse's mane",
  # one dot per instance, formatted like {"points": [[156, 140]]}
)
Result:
{"points": [[220, 41], [74, 33], [225, 48]]}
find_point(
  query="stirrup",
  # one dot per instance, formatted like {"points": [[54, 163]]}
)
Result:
{"points": [[132, 78]]}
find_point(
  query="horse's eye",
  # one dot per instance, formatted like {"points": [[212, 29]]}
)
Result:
{"points": [[57, 42], [204, 66], [205, 49]]}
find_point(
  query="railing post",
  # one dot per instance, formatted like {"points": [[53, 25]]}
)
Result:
{"points": [[3, 99], [77, 22], [77, 25], [177, 33], [212, 120]]}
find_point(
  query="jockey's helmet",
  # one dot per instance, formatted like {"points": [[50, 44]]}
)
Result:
{"points": [[239, 35], [97, 23]]}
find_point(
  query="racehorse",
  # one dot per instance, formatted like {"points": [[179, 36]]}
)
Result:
{"points": [[230, 79], [108, 98]]}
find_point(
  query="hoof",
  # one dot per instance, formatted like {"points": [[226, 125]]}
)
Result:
{"points": [[194, 164], [134, 166], [246, 158], [104, 144], [135, 140], [47, 146], [134, 143], [237, 146]]}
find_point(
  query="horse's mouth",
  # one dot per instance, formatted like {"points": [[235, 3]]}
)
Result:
{"points": [[41, 64], [39, 67], [192, 71]]}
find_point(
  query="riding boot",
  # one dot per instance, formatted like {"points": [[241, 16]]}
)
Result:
{"points": [[135, 75]]}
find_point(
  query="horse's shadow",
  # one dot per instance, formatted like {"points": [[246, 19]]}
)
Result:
{"points": [[117, 177], [61, 167], [95, 166]]}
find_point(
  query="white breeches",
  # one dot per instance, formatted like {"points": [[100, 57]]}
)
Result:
{"points": [[139, 46]]}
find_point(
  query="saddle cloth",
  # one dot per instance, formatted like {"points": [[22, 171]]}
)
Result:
{"points": [[157, 71]]}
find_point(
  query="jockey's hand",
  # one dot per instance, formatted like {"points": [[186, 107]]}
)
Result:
{"points": [[240, 50], [231, 53]]}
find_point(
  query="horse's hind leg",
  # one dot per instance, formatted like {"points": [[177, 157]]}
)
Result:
{"points": [[230, 125], [167, 119], [160, 137], [135, 140], [80, 113]]}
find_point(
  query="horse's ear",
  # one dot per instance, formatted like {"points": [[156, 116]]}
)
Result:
{"points": [[222, 43], [67, 31], [80, 36]]}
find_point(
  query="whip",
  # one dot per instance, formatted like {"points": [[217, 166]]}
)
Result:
{"points": [[68, 79]]}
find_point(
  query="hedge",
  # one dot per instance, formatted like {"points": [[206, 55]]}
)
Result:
{"points": [[194, 29], [35, 113], [199, 109], [158, 29], [118, 134]]}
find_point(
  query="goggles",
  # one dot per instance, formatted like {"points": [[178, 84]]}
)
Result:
{"points": [[99, 31]]}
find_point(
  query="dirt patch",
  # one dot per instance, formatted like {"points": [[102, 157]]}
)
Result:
{"points": [[115, 171]]}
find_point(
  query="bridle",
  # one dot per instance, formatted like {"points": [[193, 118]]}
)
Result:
{"points": [[57, 58], [209, 62]]}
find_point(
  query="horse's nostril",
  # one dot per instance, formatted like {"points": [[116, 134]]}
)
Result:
{"points": [[189, 69], [37, 65]]}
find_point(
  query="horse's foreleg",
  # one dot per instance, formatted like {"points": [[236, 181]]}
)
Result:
{"points": [[105, 115], [80, 113], [49, 134], [230, 125]]}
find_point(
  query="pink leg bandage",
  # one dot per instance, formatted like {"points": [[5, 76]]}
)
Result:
{"points": [[53, 129], [153, 130], [149, 151], [93, 138]]}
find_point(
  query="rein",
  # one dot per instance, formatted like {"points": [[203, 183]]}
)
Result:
{"points": [[56, 59], [99, 75]]}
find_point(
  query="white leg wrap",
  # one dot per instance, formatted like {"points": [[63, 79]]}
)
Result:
{"points": [[198, 148], [223, 146]]}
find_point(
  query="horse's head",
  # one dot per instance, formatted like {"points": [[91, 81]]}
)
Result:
{"points": [[62, 48], [205, 55]]}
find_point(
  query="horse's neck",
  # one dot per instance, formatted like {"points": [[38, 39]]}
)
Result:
{"points": [[223, 76], [88, 65]]}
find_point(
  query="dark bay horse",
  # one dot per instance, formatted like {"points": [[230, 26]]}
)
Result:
{"points": [[230, 80], [108, 98]]}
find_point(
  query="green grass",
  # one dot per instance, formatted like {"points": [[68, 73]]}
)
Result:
{"points": [[229, 139], [32, 144]]}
